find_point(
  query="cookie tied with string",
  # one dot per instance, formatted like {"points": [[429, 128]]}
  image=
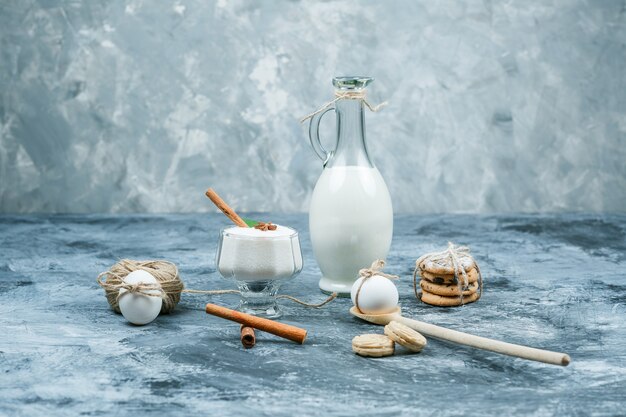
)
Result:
{"points": [[448, 278]]}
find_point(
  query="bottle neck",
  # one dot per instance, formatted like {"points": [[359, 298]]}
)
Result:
{"points": [[351, 147]]}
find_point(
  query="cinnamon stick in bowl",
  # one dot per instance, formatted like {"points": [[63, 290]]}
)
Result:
{"points": [[226, 209]]}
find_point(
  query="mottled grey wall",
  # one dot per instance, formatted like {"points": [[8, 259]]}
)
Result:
{"points": [[140, 105]]}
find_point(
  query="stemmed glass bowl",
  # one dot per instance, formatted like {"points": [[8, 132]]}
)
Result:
{"points": [[259, 262]]}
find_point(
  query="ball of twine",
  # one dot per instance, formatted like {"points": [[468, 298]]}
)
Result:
{"points": [[165, 273]]}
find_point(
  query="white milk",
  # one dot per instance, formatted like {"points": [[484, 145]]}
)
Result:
{"points": [[248, 254], [351, 223]]}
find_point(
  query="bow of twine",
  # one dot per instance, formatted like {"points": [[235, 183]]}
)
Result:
{"points": [[350, 95], [454, 255], [150, 290], [366, 273]]}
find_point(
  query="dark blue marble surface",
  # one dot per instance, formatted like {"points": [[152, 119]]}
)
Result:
{"points": [[556, 282]]}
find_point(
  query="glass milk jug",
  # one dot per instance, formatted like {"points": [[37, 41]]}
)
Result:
{"points": [[350, 217]]}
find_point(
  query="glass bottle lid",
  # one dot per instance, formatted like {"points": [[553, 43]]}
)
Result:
{"points": [[351, 83]]}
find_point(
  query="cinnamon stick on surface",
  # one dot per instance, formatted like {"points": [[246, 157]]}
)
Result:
{"points": [[248, 338], [286, 331], [226, 209]]}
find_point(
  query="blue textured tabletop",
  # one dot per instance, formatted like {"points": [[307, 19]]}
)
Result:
{"points": [[555, 282]]}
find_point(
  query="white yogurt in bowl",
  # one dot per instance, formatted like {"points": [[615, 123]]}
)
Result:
{"points": [[259, 261], [249, 254]]}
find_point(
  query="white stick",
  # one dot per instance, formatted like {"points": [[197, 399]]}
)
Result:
{"points": [[479, 342]]}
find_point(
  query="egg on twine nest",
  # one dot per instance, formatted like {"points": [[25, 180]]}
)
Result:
{"points": [[168, 286], [141, 290]]}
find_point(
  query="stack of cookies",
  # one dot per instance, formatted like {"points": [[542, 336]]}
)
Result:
{"points": [[449, 278]]}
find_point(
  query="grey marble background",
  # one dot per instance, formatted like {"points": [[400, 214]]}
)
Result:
{"points": [[139, 106]]}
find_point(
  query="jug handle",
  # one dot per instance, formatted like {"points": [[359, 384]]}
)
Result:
{"points": [[314, 136]]}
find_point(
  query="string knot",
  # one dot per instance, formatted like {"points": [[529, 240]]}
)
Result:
{"points": [[134, 288], [453, 255], [346, 95], [375, 269], [149, 290]]}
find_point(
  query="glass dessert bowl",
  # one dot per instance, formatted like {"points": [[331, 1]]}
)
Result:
{"points": [[259, 261]]}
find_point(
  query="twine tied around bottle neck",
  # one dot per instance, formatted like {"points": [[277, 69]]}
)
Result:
{"points": [[349, 95], [366, 273]]}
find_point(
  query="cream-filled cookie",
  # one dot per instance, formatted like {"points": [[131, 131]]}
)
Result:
{"points": [[405, 336], [373, 345]]}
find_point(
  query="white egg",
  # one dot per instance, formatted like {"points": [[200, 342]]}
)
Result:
{"points": [[139, 308], [378, 295]]}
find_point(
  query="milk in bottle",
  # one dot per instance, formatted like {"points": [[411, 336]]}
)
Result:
{"points": [[350, 217]]}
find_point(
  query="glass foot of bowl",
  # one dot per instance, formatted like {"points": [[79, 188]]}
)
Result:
{"points": [[259, 299]]}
